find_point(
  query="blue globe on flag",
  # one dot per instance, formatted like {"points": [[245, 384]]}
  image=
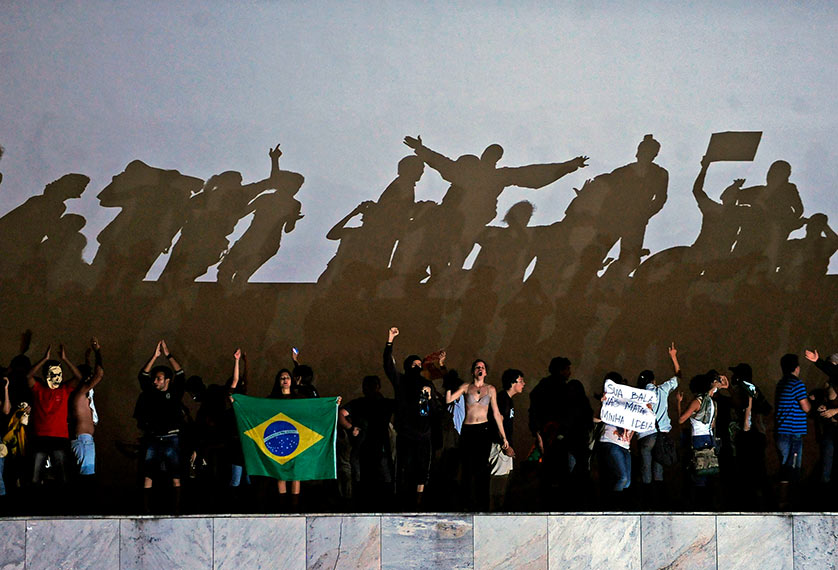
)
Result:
{"points": [[281, 438]]}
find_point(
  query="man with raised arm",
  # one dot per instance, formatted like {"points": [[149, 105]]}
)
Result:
{"points": [[415, 406], [828, 366], [651, 470], [84, 417], [50, 399], [159, 416], [481, 182]]}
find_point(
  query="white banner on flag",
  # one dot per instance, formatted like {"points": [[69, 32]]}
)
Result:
{"points": [[626, 407]]}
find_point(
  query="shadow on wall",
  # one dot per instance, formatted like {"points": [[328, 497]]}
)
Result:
{"points": [[742, 290]]}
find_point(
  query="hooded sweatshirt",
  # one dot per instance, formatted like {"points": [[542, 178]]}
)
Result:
{"points": [[414, 410]]}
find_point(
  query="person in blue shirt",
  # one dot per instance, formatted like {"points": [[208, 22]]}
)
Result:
{"points": [[792, 407]]}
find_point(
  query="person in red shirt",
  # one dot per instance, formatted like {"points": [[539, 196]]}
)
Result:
{"points": [[50, 404]]}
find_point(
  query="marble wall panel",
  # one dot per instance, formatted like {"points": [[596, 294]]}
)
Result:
{"points": [[68, 543], [12, 544], [770, 541], [580, 541], [260, 542], [815, 542], [157, 544], [510, 541], [678, 541], [343, 543], [445, 542], [757, 541]]}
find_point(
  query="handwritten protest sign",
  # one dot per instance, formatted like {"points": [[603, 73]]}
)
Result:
{"points": [[626, 407]]}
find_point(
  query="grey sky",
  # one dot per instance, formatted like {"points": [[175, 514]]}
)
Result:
{"points": [[207, 87]]}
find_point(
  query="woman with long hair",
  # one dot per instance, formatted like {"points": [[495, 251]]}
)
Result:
{"points": [[282, 389], [475, 435]]}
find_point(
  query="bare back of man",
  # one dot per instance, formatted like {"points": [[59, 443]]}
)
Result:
{"points": [[82, 412]]}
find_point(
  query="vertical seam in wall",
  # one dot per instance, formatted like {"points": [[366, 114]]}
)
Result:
{"points": [[212, 543], [547, 534], [640, 538], [25, 540], [119, 543], [716, 524], [305, 537], [793, 562], [380, 542], [473, 537]]}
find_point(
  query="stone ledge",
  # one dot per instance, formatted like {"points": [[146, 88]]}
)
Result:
{"points": [[426, 540]]}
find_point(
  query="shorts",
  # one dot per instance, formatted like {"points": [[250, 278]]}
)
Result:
{"points": [[85, 451], [162, 454]]}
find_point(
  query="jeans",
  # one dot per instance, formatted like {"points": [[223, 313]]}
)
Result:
{"points": [[790, 450], [2, 484], [648, 466], [236, 473], [617, 461], [162, 453], [85, 451]]}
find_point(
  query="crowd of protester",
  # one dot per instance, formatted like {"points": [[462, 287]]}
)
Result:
{"points": [[441, 443]]}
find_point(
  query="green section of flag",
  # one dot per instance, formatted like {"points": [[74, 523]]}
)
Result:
{"points": [[292, 440]]}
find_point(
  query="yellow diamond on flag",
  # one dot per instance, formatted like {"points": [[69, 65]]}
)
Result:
{"points": [[282, 438]]}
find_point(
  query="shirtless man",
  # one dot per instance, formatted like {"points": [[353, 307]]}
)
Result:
{"points": [[83, 415]]}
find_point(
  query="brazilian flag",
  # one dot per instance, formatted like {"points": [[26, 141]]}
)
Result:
{"points": [[292, 440]]}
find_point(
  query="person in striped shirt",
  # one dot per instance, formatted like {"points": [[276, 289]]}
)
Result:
{"points": [[792, 406]]}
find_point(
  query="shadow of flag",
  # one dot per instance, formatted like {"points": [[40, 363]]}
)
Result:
{"points": [[292, 440]]}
